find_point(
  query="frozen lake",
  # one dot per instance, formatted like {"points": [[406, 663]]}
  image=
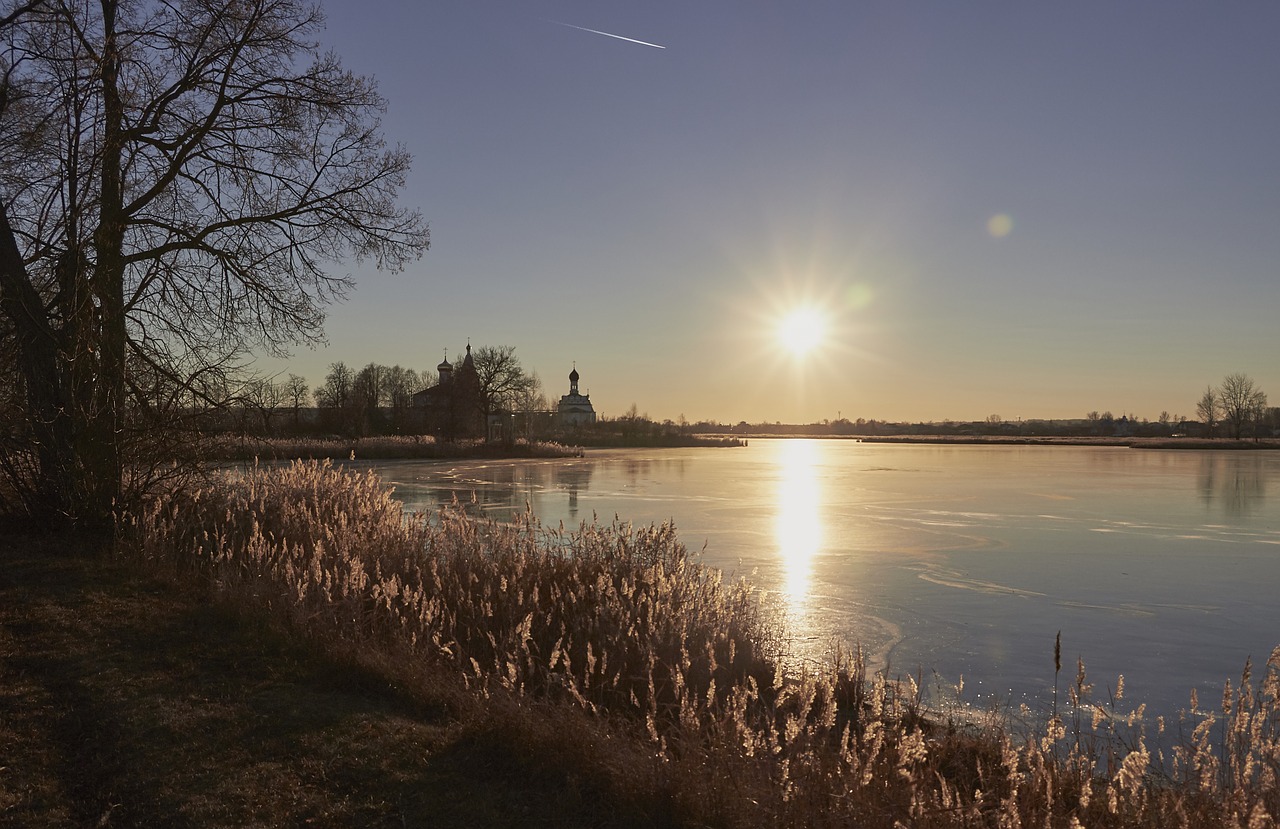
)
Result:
{"points": [[1163, 566]]}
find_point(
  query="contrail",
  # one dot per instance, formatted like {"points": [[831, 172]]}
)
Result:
{"points": [[607, 34]]}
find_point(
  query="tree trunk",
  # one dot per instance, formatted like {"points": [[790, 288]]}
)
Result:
{"points": [[102, 465]]}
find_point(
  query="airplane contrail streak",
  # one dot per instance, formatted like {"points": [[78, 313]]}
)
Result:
{"points": [[607, 34]]}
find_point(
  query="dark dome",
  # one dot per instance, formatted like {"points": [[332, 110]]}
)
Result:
{"points": [[573, 375]]}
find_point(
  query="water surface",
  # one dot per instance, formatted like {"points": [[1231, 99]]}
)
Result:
{"points": [[945, 561]]}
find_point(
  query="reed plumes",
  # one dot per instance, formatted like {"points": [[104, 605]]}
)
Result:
{"points": [[624, 626], [423, 447], [614, 617]]}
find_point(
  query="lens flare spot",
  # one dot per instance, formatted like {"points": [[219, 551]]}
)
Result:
{"points": [[1000, 225], [858, 296]]}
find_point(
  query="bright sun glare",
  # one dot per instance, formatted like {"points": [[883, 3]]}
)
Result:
{"points": [[802, 329]]}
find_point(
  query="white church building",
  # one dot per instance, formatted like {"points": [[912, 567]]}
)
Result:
{"points": [[575, 409]]}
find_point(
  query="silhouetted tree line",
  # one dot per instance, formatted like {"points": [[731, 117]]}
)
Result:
{"points": [[497, 396], [377, 400], [1236, 408]]}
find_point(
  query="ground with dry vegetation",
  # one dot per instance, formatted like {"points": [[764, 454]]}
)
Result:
{"points": [[385, 447], [126, 701], [301, 651]]}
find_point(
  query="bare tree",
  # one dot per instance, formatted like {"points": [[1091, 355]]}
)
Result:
{"points": [[1240, 400], [336, 391], [369, 395], [530, 402], [336, 399], [401, 384], [1258, 414], [1207, 409], [1271, 419], [370, 386], [298, 393], [502, 380], [176, 180], [260, 399]]}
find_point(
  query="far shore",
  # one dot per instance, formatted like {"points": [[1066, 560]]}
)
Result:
{"points": [[1042, 440], [425, 448], [421, 447], [1131, 443]]}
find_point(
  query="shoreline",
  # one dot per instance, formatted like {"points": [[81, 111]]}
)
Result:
{"points": [[409, 447], [1039, 440], [383, 449]]}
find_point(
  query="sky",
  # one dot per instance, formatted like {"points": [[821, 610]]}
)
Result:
{"points": [[1032, 210]]}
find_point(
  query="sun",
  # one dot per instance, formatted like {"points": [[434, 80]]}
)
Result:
{"points": [[802, 329]]}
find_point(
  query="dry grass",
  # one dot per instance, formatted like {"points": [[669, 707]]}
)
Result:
{"points": [[696, 704], [127, 701], [424, 447]]}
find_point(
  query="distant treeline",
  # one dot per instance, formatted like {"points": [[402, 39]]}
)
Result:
{"points": [[1103, 427], [1237, 409], [379, 402]]}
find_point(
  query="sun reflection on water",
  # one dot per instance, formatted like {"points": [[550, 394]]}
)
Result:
{"points": [[799, 520]]}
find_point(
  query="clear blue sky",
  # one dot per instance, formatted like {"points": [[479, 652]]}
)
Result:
{"points": [[1028, 209]]}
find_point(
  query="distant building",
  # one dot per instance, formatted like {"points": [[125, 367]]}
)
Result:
{"points": [[453, 409], [575, 409]]}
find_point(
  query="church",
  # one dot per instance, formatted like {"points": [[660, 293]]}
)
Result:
{"points": [[575, 409], [453, 408]]}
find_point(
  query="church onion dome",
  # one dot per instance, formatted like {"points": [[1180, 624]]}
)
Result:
{"points": [[445, 366], [573, 375]]}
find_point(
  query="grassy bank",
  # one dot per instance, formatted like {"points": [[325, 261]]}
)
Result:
{"points": [[665, 440], [414, 447], [598, 678]]}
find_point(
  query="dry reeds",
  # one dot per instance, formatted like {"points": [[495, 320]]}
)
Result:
{"points": [[622, 623], [384, 447]]}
